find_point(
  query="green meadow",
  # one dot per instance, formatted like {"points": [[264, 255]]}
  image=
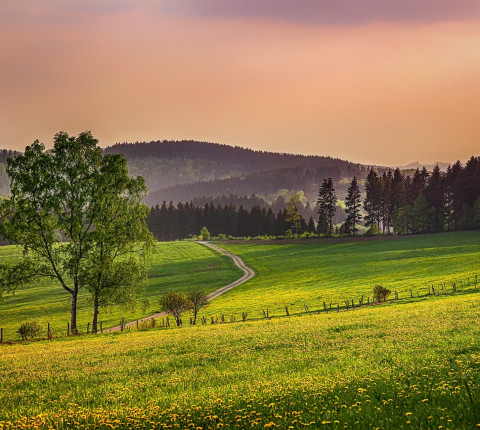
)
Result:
{"points": [[175, 266], [313, 272], [411, 363], [397, 365]]}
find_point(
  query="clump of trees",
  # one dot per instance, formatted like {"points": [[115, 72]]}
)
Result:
{"points": [[380, 293], [79, 218], [426, 202], [175, 304]]}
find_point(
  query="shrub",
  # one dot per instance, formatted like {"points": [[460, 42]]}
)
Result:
{"points": [[288, 233], [204, 233], [373, 230], [380, 293], [221, 236], [29, 330]]}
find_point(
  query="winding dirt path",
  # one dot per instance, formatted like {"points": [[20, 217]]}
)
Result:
{"points": [[248, 274]]}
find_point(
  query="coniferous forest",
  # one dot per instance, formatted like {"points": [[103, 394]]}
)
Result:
{"points": [[394, 202]]}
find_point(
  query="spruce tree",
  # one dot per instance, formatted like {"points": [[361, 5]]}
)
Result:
{"points": [[373, 199], [352, 208], [326, 201]]}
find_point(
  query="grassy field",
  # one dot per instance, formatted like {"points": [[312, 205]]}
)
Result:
{"points": [[410, 365], [317, 272], [175, 266]]}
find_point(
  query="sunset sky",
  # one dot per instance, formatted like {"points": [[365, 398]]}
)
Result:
{"points": [[373, 81]]}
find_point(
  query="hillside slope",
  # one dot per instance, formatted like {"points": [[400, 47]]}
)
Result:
{"points": [[183, 170]]}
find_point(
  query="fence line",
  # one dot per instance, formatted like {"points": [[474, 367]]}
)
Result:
{"points": [[430, 290]]}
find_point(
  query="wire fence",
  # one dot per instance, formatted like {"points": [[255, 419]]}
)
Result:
{"points": [[431, 290]]}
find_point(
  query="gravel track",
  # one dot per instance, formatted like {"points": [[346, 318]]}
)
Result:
{"points": [[248, 274]]}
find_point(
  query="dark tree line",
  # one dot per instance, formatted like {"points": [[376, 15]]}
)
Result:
{"points": [[184, 220], [424, 202]]}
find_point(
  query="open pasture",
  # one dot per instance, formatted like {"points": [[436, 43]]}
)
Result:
{"points": [[313, 272], [175, 266], [398, 365]]}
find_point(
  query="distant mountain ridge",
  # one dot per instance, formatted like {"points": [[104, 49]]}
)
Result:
{"points": [[416, 165]]}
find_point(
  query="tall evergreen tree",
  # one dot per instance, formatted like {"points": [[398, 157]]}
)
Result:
{"points": [[326, 201], [373, 199], [352, 203]]}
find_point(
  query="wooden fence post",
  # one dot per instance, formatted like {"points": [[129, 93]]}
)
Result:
{"points": [[137, 324], [1, 335], [338, 307], [68, 329], [101, 327]]}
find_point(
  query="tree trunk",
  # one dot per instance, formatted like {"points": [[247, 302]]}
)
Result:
{"points": [[73, 322], [95, 315]]}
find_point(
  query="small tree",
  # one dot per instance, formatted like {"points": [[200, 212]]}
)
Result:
{"points": [[29, 330], [204, 233], [198, 300], [174, 304], [380, 293], [293, 211]]}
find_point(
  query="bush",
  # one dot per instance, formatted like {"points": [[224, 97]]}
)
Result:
{"points": [[29, 330], [204, 233], [373, 230], [221, 236], [288, 234], [380, 293]]}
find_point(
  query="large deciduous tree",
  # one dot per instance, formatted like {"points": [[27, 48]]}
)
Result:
{"points": [[115, 268], [57, 198]]}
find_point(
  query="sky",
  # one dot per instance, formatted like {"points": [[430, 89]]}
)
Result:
{"points": [[372, 81]]}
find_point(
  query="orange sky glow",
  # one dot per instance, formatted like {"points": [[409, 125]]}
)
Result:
{"points": [[368, 87]]}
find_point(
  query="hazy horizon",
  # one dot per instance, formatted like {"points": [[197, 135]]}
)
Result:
{"points": [[373, 82]]}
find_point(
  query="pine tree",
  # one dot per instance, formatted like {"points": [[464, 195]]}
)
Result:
{"points": [[326, 201], [352, 203]]}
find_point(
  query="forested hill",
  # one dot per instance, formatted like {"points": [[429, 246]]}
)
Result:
{"points": [[167, 164], [267, 185]]}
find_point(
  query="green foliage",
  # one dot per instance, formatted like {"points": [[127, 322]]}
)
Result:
{"points": [[76, 193], [29, 330], [204, 233], [373, 230], [380, 293], [293, 211], [288, 233]]}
